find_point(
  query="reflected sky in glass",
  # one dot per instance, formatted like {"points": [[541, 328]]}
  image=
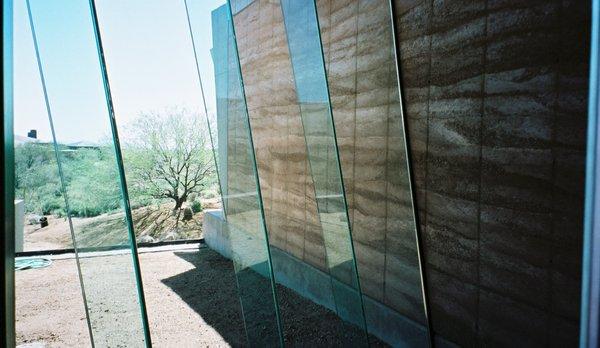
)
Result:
{"points": [[166, 78]]}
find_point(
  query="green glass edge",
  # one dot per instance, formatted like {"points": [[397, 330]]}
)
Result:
{"points": [[339, 167], [122, 179], [257, 179], [63, 186], [410, 174], [8, 248], [210, 135]]}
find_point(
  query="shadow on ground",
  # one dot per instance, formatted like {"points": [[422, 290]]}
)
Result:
{"points": [[210, 289]]}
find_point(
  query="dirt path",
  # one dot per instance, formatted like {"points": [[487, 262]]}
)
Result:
{"points": [[192, 301]]}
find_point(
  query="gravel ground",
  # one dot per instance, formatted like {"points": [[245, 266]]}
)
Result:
{"points": [[192, 301]]}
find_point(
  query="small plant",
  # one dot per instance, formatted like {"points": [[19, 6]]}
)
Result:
{"points": [[196, 207]]}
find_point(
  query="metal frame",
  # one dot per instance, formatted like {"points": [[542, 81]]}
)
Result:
{"points": [[7, 242], [121, 169]]}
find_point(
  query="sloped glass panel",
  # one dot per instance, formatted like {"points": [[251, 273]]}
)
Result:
{"points": [[242, 201], [164, 137], [313, 99], [169, 167], [309, 235], [86, 144], [360, 60]]}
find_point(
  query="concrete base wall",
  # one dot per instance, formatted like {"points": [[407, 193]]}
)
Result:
{"points": [[215, 232], [316, 285]]}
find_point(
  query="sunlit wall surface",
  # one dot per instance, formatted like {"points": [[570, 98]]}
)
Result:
{"points": [[285, 86], [78, 108], [282, 60], [222, 62], [312, 94], [361, 64]]}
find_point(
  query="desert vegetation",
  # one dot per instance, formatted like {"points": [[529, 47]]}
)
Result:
{"points": [[169, 170]]}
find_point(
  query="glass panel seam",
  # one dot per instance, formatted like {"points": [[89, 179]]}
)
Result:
{"points": [[338, 165], [410, 174], [60, 170], [212, 143], [122, 179], [257, 179]]}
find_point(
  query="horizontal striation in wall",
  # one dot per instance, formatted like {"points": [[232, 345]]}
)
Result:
{"points": [[496, 102], [285, 180], [359, 56], [495, 99]]}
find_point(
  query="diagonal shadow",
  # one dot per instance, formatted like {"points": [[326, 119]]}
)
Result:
{"points": [[214, 296], [210, 290]]}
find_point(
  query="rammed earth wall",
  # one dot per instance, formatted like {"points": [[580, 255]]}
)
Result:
{"points": [[496, 97]]}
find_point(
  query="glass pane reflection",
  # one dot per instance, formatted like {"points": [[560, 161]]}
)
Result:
{"points": [[242, 201], [71, 70], [313, 98], [365, 100], [300, 177]]}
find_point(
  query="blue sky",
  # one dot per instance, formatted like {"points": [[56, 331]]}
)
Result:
{"points": [[149, 58]]}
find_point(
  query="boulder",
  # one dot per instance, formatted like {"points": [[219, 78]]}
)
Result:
{"points": [[145, 239], [187, 214], [33, 219], [172, 235]]}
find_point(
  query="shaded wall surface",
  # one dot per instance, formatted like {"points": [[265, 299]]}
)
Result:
{"points": [[495, 96]]}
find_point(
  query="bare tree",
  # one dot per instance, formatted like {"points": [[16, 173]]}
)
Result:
{"points": [[168, 155]]}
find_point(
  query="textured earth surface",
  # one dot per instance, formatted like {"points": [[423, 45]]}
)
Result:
{"points": [[152, 224], [191, 298]]}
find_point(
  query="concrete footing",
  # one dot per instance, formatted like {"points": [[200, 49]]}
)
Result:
{"points": [[316, 285]]}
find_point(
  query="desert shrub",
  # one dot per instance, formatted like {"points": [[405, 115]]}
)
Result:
{"points": [[93, 182], [90, 175], [196, 206], [36, 178]]}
